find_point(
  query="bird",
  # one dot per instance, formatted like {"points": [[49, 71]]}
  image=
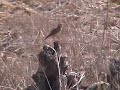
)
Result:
{"points": [[54, 31]]}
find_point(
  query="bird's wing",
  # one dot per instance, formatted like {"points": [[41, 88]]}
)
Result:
{"points": [[51, 33]]}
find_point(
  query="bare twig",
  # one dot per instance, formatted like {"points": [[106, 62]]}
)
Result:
{"points": [[7, 87], [79, 81]]}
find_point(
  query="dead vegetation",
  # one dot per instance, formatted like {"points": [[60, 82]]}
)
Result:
{"points": [[90, 36]]}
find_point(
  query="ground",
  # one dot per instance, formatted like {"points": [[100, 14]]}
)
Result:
{"points": [[90, 35]]}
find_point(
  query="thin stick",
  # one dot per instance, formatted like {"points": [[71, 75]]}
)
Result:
{"points": [[82, 76], [7, 87]]}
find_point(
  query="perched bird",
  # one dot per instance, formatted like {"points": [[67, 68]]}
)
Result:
{"points": [[54, 31]]}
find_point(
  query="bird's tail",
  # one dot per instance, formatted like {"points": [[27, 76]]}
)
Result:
{"points": [[46, 37]]}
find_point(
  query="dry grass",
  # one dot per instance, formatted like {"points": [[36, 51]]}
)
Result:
{"points": [[90, 36]]}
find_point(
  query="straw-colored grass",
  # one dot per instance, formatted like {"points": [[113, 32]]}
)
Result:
{"points": [[90, 36]]}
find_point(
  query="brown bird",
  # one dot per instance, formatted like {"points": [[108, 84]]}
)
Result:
{"points": [[54, 31]]}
